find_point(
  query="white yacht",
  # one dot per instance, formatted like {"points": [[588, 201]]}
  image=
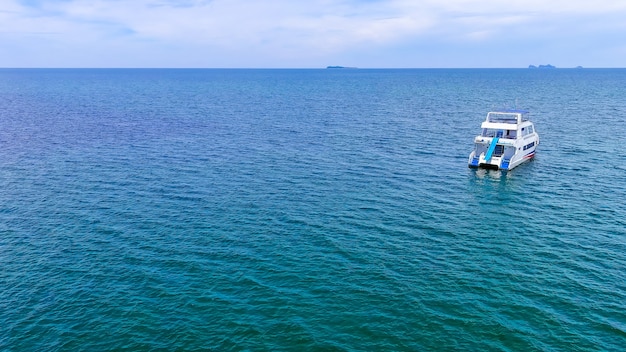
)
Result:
{"points": [[507, 140]]}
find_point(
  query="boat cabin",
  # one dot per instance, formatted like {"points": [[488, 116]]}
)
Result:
{"points": [[506, 124]]}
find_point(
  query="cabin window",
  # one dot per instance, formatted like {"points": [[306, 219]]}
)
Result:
{"points": [[530, 129], [489, 132], [525, 131], [492, 132]]}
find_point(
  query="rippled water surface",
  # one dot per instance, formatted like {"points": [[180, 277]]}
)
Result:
{"points": [[308, 210]]}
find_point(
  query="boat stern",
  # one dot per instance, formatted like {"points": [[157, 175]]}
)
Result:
{"points": [[479, 161], [494, 163]]}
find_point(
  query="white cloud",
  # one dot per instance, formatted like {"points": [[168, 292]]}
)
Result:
{"points": [[289, 32]]}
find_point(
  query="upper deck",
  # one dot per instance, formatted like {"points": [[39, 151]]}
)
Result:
{"points": [[506, 124], [512, 116], [505, 119]]}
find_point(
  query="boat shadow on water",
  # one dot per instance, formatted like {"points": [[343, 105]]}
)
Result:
{"points": [[496, 190]]}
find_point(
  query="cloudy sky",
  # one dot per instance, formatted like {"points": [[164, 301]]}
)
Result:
{"points": [[312, 33]]}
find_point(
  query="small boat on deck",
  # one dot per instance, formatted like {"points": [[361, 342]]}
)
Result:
{"points": [[508, 139]]}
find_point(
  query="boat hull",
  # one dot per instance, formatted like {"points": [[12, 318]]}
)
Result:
{"points": [[511, 157]]}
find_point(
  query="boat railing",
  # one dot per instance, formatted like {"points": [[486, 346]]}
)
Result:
{"points": [[499, 120], [512, 116], [503, 117]]}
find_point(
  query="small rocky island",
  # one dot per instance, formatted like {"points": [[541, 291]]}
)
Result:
{"points": [[541, 66], [339, 67]]}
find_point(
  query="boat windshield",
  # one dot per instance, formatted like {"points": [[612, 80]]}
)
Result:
{"points": [[491, 132]]}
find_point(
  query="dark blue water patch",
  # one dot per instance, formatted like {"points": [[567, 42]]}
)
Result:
{"points": [[308, 209]]}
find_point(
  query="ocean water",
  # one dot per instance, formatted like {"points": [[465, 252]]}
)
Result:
{"points": [[294, 210]]}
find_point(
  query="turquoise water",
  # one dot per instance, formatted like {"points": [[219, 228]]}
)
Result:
{"points": [[308, 210]]}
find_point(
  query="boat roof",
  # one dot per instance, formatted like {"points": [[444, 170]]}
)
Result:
{"points": [[513, 111]]}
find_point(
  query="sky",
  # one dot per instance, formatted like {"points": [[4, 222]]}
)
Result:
{"points": [[312, 33]]}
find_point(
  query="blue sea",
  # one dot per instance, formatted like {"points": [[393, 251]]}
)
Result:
{"points": [[308, 210]]}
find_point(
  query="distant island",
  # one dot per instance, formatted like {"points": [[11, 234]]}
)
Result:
{"points": [[541, 66], [339, 67], [549, 66]]}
